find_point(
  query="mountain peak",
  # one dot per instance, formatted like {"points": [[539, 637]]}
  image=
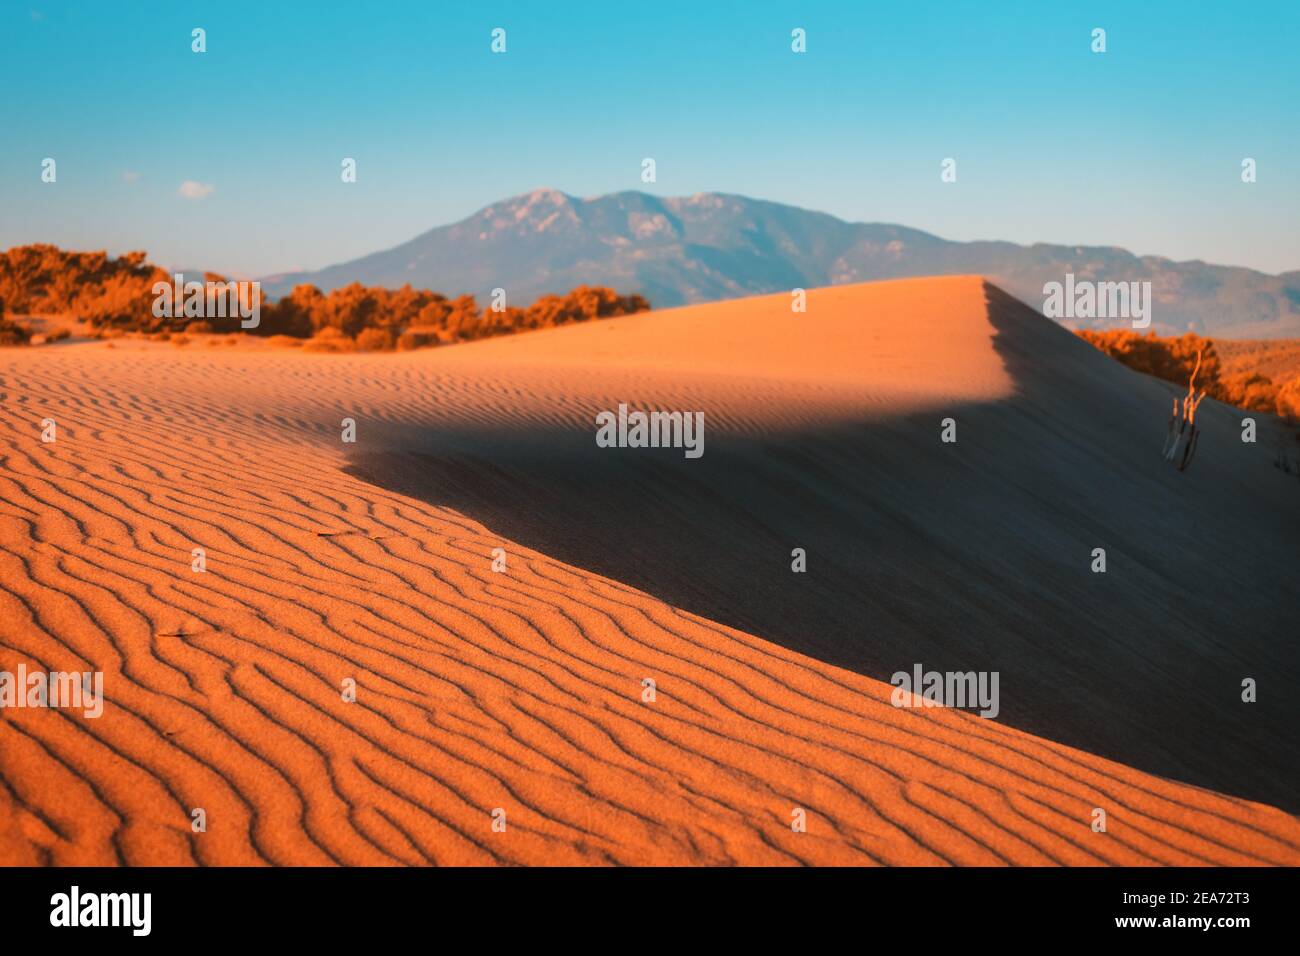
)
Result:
{"points": [[529, 203], [545, 195], [708, 246]]}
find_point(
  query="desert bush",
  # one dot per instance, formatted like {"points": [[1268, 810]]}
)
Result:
{"points": [[1252, 391], [1288, 401], [417, 339], [11, 332], [375, 340], [300, 313], [14, 333]]}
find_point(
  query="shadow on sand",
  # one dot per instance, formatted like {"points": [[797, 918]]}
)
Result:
{"points": [[966, 556]]}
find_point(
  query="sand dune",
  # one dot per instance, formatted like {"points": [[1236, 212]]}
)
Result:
{"points": [[522, 690]]}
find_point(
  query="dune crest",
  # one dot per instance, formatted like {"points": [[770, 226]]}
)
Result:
{"points": [[523, 690]]}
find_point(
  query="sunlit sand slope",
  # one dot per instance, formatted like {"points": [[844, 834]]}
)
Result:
{"points": [[522, 690]]}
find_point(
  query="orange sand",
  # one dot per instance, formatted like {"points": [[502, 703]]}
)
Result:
{"points": [[479, 690]]}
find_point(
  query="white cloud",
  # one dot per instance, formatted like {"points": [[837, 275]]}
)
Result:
{"points": [[192, 190], [130, 176]]}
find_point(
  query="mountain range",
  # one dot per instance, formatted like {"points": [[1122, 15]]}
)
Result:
{"points": [[714, 246]]}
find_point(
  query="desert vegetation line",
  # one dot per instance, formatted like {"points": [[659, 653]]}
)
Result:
{"points": [[115, 296], [1192, 356]]}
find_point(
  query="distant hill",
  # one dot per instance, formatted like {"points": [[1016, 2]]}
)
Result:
{"points": [[717, 246]]}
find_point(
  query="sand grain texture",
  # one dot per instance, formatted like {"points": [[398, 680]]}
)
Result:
{"points": [[522, 690]]}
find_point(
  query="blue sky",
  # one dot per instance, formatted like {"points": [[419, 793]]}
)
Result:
{"points": [[1139, 147]]}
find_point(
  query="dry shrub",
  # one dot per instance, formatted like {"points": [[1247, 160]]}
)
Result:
{"points": [[13, 333], [1251, 391], [375, 340], [412, 339], [1288, 400]]}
